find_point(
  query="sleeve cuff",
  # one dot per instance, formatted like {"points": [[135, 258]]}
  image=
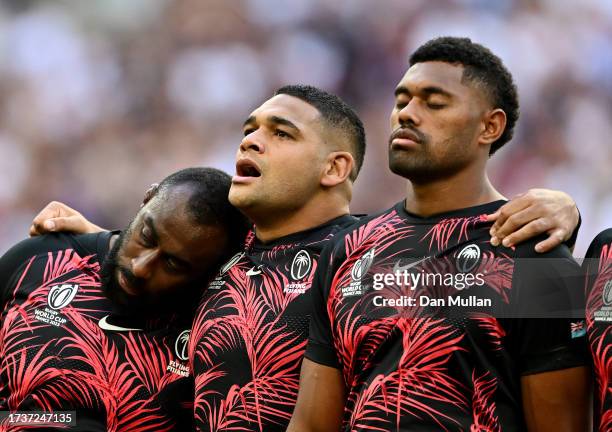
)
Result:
{"points": [[322, 354], [564, 357]]}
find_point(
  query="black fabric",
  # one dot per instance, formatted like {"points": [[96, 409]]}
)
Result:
{"points": [[435, 366], [56, 355], [597, 268], [251, 329]]}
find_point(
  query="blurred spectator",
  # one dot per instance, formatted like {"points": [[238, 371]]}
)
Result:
{"points": [[93, 92]]}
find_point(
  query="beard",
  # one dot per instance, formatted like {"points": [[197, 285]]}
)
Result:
{"points": [[181, 301], [422, 165]]}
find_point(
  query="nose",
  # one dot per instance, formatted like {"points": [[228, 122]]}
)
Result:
{"points": [[252, 142], [142, 265], [410, 113]]}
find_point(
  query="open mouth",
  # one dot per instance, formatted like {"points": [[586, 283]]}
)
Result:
{"points": [[247, 168]]}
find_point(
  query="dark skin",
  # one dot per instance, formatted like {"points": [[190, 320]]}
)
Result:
{"points": [[443, 128], [161, 256], [164, 249]]}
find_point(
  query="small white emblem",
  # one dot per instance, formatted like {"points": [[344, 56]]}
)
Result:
{"points": [[61, 295], [607, 293], [362, 265], [231, 263], [301, 265], [254, 271], [468, 258], [104, 325], [181, 346]]}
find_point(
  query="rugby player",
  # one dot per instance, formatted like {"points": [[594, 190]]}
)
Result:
{"points": [[598, 270], [376, 363], [99, 323], [295, 167]]}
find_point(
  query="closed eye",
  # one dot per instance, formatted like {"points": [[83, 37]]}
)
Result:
{"points": [[282, 134]]}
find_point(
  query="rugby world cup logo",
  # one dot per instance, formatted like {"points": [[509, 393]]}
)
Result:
{"points": [[181, 346], [61, 295], [231, 263], [607, 293], [301, 265], [362, 265], [468, 258]]}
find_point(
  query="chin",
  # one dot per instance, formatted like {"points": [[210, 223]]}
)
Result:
{"points": [[240, 199]]}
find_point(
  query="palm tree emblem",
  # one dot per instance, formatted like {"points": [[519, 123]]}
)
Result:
{"points": [[181, 346], [301, 265], [468, 258]]}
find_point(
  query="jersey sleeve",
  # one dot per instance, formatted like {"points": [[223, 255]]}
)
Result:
{"points": [[550, 329], [16, 260], [13, 263], [320, 348], [598, 258]]}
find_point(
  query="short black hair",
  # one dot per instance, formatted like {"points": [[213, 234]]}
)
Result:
{"points": [[481, 66], [336, 113], [209, 204]]}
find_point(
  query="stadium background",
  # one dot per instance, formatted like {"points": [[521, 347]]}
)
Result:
{"points": [[100, 98]]}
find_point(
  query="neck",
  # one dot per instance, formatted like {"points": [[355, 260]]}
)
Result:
{"points": [[467, 188], [316, 212]]}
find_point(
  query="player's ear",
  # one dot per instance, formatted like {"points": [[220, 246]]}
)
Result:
{"points": [[494, 124], [150, 193], [338, 168]]}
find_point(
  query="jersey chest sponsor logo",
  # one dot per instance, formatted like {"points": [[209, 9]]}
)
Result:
{"points": [[181, 350], [604, 314], [468, 258], [358, 271], [59, 297]]}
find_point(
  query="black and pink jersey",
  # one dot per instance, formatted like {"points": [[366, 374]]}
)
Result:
{"points": [[63, 347], [598, 270], [432, 327], [250, 333]]}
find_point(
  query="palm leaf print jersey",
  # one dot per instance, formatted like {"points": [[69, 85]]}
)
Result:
{"points": [[63, 347], [250, 332], [432, 327], [598, 271]]}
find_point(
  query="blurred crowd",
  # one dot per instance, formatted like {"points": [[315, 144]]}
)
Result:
{"points": [[100, 98]]}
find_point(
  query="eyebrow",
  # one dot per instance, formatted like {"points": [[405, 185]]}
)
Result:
{"points": [[274, 120], [148, 220], [429, 90]]}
